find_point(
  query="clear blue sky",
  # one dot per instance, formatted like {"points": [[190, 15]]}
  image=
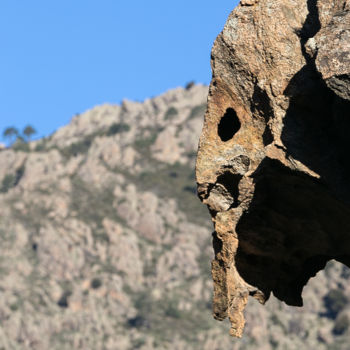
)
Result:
{"points": [[61, 57]]}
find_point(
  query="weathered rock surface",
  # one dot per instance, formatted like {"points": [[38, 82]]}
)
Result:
{"points": [[272, 161]]}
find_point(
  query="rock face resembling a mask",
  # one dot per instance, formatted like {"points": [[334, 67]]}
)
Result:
{"points": [[272, 163]]}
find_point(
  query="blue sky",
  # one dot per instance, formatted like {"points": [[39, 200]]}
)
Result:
{"points": [[61, 57]]}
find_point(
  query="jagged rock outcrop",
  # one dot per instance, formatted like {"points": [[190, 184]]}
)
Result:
{"points": [[272, 162]]}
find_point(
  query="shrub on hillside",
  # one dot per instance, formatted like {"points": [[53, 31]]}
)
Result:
{"points": [[170, 113], [11, 180], [21, 145], [335, 301], [7, 183], [189, 85], [197, 111], [96, 283], [341, 325], [117, 128]]}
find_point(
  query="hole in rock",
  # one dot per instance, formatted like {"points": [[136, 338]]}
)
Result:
{"points": [[230, 182], [229, 125], [285, 238]]}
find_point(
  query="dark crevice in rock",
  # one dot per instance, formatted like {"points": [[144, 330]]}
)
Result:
{"points": [[312, 23], [224, 190], [217, 243], [315, 131], [315, 123], [267, 136], [230, 182], [228, 125], [291, 242], [261, 106], [310, 28], [204, 192]]}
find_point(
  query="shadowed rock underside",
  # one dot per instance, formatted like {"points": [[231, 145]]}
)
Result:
{"points": [[272, 162]]}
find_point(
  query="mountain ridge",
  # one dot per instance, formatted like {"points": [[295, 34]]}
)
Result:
{"points": [[104, 244]]}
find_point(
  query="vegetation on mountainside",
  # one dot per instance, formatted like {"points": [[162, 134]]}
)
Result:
{"points": [[19, 139], [10, 133], [82, 146], [190, 84], [170, 113], [335, 301], [11, 180], [162, 318], [92, 204], [174, 181], [197, 111]]}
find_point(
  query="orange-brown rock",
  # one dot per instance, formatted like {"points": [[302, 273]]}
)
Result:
{"points": [[272, 162]]}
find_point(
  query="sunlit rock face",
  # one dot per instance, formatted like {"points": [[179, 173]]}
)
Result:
{"points": [[272, 162]]}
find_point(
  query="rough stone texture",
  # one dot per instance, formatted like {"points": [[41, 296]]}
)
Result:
{"points": [[272, 161], [333, 49]]}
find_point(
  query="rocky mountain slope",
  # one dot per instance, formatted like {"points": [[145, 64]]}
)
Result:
{"points": [[104, 244]]}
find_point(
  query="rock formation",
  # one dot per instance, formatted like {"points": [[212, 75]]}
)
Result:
{"points": [[271, 165]]}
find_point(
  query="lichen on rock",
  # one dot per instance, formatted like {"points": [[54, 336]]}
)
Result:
{"points": [[272, 160]]}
